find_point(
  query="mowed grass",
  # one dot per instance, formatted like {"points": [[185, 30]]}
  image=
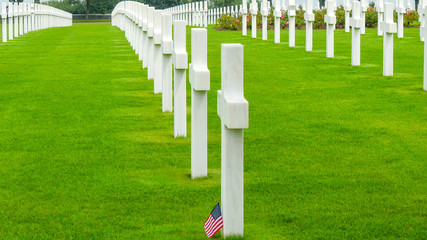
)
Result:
{"points": [[332, 151]]}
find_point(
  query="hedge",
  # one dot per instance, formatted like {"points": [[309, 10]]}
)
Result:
{"points": [[226, 22]]}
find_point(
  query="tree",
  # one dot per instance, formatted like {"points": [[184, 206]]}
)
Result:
{"points": [[322, 3]]}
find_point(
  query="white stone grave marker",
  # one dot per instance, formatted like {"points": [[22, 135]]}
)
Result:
{"points": [[347, 9], [3, 21], [144, 36], [400, 14], [205, 13], [200, 85], [15, 19], [277, 15], [254, 12], [10, 18], [422, 14], [233, 109], [167, 50], [291, 17], [380, 10], [309, 19], [425, 62], [356, 24], [33, 21], [363, 8], [180, 62], [388, 27], [150, 43], [264, 14], [21, 18], [330, 20], [157, 39], [140, 39], [244, 18]]}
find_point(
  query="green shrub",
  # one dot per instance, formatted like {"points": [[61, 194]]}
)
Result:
{"points": [[226, 22]]}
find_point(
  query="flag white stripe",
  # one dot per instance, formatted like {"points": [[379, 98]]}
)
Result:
{"points": [[208, 228], [215, 230], [211, 224], [215, 226], [208, 221]]}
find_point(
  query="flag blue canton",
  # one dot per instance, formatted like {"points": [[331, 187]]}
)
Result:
{"points": [[216, 212]]}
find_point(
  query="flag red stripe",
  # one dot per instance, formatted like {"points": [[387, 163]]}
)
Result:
{"points": [[208, 224], [215, 230], [215, 227], [209, 221], [212, 226]]}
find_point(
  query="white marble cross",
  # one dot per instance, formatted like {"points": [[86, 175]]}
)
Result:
{"points": [[330, 20], [190, 14], [277, 15], [205, 13], [144, 36], [167, 50], [309, 19], [356, 24], [347, 9], [284, 7], [157, 39], [422, 14], [15, 19], [139, 40], [29, 17], [400, 9], [291, 17], [21, 18], [380, 10], [180, 62], [233, 110], [363, 8], [24, 16], [150, 43], [244, 18], [197, 21], [28, 14], [200, 85], [10, 18], [388, 27], [33, 21], [3, 21], [264, 14], [254, 12], [425, 62]]}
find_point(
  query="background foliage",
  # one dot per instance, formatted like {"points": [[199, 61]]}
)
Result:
{"points": [[227, 22]]}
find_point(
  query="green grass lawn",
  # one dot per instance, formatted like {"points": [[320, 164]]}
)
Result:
{"points": [[332, 151]]}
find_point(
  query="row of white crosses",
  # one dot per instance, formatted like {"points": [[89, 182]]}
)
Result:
{"points": [[149, 32], [26, 17], [198, 13]]}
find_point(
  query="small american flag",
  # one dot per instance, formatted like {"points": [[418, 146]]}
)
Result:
{"points": [[214, 222]]}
